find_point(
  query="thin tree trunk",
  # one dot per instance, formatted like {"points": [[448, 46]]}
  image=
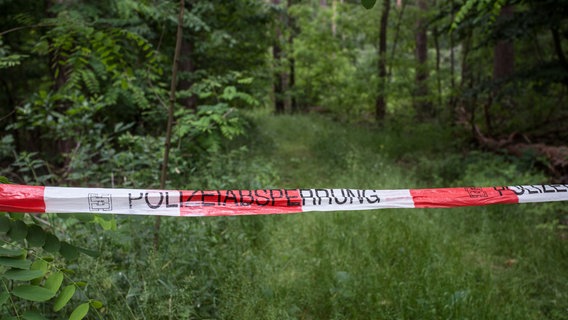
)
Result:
{"points": [[172, 101], [452, 104], [422, 105], [334, 18], [560, 52], [279, 75], [401, 5], [380, 105], [291, 60], [467, 82], [187, 67], [438, 75]]}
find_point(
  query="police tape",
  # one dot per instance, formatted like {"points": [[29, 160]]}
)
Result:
{"points": [[38, 199]]}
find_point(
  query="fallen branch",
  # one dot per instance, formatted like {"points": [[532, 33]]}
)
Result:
{"points": [[555, 157]]}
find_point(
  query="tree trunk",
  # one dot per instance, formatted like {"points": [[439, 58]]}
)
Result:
{"points": [[504, 52], [291, 60], [452, 103], [438, 74], [279, 76], [187, 69], [466, 83], [422, 106], [560, 52], [380, 105], [503, 67], [334, 18], [187, 66], [60, 70], [401, 6]]}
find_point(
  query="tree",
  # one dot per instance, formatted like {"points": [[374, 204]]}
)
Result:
{"points": [[187, 66], [280, 77], [503, 65], [504, 51], [422, 104], [292, 30], [380, 106]]}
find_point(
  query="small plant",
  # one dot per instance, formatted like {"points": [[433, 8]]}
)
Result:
{"points": [[36, 283]]}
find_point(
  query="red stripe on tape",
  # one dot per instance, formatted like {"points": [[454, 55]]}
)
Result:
{"points": [[239, 202], [18, 198], [462, 197]]}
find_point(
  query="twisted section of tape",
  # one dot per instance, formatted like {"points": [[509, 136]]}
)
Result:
{"points": [[38, 199]]}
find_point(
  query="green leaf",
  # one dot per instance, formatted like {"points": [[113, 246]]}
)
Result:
{"points": [[82, 217], [68, 271], [80, 312], [4, 297], [106, 223], [4, 180], [245, 80], [368, 4], [36, 236], [64, 297], [90, 253], [4, 224], [23, 275], [96, 304], [39, 264], [52, 244], [33, 293], [5, 252], [16, 215], [30, 315], [15, 263], [53, 282], [68, 251], [123, 84], [18, 230], [229, 93]]}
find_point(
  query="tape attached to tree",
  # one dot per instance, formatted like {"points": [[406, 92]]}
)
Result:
{"points": [[37, 199]]}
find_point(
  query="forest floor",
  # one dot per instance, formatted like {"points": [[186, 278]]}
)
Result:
{"points": [[476, 263], [497, 262]]}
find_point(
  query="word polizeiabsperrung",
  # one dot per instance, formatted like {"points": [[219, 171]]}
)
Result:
{"points": [[38, 199]]}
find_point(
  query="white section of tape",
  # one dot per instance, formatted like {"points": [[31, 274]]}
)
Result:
{"points": [[352, 199], [541, 193], [115, 201]]}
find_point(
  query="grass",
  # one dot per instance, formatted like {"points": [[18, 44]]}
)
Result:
{"points": [[499, 262], [472, 263]]}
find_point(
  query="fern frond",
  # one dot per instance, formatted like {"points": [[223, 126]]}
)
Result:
{"points": [[90, 80]]}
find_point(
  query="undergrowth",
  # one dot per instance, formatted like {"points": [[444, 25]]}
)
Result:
{"points": [[498, 262]]}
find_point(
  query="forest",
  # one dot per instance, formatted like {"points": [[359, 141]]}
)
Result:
{"points": [[274, 94]]}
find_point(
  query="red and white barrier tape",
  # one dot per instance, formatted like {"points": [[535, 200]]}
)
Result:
{"points": [[20, 198]]}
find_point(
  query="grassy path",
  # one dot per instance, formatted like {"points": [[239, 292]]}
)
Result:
{"points": [[473, 263]]}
